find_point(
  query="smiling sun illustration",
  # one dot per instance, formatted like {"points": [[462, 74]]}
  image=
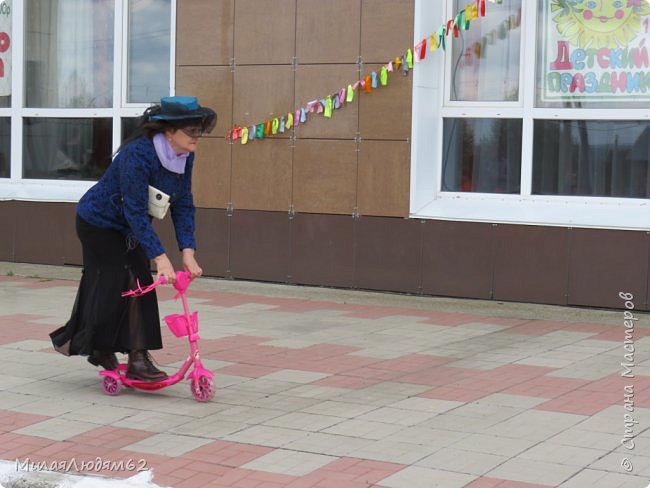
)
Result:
{"points": [[601, 23]]}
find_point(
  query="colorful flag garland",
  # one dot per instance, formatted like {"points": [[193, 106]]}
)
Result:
{"points": [[329, 103]]}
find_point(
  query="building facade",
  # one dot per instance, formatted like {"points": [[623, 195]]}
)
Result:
{"points": [[490, 150]]}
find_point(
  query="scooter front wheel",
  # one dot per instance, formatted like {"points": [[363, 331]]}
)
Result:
{"points": [[112, 386], [202, 388]]}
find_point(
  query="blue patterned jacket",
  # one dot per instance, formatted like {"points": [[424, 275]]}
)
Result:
{"points": [[119, 200]]}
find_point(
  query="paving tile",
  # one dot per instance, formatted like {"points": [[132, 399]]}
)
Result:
{"points": [[56, 428], [359, 391], [167, 444], [459, 461], [591, 477], [529, 471], [224, 453], [338, 409], [330, 444], [295, 376], [421, 477], [492, 444], [264, 435], [304, 421], [294, 463], [364, 429]]}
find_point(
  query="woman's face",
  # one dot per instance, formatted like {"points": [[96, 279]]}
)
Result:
{"points": [[185, 139]]}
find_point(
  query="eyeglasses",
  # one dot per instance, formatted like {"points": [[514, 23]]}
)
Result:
{"points": [[193, 131]]}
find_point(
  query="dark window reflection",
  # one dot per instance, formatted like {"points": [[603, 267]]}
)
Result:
{"points": [[482, 155], [74, 149], [600, 158], [129, 125]]}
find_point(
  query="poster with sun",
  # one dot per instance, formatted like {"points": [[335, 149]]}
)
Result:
{"points": [[596, 50]]}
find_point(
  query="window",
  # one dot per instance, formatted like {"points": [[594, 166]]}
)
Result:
{"points": [[482, 155], [81, 67], [148, 51], [538, 114], [486, 60], [599, 158]]}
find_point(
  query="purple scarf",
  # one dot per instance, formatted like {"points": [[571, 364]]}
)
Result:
{"points": [[168, 158]]}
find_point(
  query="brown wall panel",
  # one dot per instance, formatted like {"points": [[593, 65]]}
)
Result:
{"points": [[314, 82], [323, 250], [603, 263], [213, 87], [457, 259], [531, 264], [384, 178], [261, 175], [260, 245], [329, 31], [388, 254], [265, 31], [212, 235], [261, 93], [8, 214], [71, 246], [39, 232], [165, 230], [385, 113], [211, 174], [204, 32], [386, 29], [325, 176]]}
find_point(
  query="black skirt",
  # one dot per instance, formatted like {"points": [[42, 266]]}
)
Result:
{"points": [[101, 318]]}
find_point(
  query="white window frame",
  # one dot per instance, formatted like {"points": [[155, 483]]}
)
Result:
{"points": [[18, 188], [431, 105]]}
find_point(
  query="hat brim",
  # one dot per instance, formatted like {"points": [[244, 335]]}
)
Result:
{"points": [[204, 116]]}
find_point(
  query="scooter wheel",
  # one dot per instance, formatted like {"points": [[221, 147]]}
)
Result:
{"points": [[111, 386], [202, 388]]}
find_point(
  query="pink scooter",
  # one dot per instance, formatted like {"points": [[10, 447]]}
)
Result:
{"points": [[187, 324]]}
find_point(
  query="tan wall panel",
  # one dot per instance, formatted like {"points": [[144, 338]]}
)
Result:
{"points": [[262, 92], [314, 82], [261, 175], [265, 31], [211, 175], [385, 113], [328, 32], [325, 176], [204, 32], [386, 29], [384, 178], [213, 87]]}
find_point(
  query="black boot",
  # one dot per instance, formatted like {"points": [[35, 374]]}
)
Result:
{"points": [[106, 360], [141, 368]]}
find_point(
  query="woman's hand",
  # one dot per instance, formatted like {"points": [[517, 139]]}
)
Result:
{"points": [[164, 268], [190, 264]]}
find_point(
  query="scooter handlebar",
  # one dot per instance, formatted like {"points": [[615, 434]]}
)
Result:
{"points": [[182, 282]]}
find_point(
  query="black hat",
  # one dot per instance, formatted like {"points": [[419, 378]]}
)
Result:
{"points": [[180, 109]]}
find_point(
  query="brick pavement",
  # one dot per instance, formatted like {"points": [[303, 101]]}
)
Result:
{"points": [[338, 393]]}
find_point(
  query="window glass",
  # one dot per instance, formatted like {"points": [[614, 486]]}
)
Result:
{"points": [[482, 155], [600, 158], [593, 54], [129, 125], [485, 62], [69, 53], [148, 50], [66, 148], [5, 147]]}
